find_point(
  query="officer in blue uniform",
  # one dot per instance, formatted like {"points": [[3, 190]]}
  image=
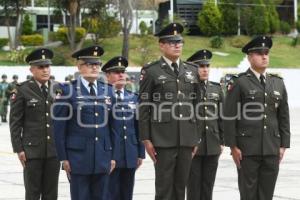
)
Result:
{"points": [[131, 152], [83, 137]]}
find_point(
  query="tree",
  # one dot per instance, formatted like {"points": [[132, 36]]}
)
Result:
{"points": [[27, 26], [274, 21], [259, 19], [230, 16], [13, 10], [210, 19]]}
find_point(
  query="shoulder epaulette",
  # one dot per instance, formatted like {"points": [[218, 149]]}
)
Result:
{"points": [[149, 64], [22, 83], [275, 75], [190, 63], [129, 91]]}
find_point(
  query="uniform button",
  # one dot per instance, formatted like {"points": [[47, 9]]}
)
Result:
{"points": [[265, 116], [204, 98], [180, 103], [252, 97], [29, 143], [124, 127], [206, 127], [96, 126], [33, 105], [47, 125], [123, 108], [179, 92], [265, 127], [47, 102], [205, 107], [266, 105], [243, 134], [48, 137], [95, 102], [266, 94], [47, 114], [180, 115], [124, 118], [163, 82], [96, 138], [125, 137], [277, 98], [96, 114], [177, 80], [206, 117]]}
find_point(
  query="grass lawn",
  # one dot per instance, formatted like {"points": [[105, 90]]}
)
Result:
{"points": [[145, 50]]}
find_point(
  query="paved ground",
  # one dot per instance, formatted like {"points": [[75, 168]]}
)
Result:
{"points": [[288, 184]]}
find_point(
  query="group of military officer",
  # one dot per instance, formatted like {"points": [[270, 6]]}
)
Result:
{"points": [[5, 91], [92, 128]]}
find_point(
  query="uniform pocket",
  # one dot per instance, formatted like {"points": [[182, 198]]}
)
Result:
{"points": [[31, 141]]}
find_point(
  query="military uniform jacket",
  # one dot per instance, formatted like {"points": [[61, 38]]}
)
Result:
{"points": [[160, 89], [82, 129], [263, 126], [125, 127], [210, 120], [30, 121]]}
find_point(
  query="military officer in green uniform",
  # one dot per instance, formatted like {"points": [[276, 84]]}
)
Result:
{"points": [[3, 99], [31, 129], [12, 86], [257, 126], [167, 123], [205, 162]]}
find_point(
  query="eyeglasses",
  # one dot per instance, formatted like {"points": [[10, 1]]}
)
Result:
{"points": [[92, 65], [175, 43]]}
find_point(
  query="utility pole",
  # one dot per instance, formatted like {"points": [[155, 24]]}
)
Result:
{"points": [[239, 19], [171, 11], [48, 4], [295, 10]]}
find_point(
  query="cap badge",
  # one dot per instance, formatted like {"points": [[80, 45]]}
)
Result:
{"points": [[95, 53], [43, 56]]}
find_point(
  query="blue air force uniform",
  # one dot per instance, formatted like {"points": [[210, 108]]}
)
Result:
{"points": [[82, 132], [128, 147]]}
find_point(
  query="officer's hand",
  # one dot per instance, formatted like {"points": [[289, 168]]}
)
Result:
{"points": [[222, 148], [281, 153], [22, 158], [194, 151], [237, 156], [112, 165], [150, 150], [139, 162], [67, 167]]}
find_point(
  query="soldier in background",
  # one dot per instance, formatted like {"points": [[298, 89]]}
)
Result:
{"points": [[257, 126], [12, 86], [31, 129], [205, 162], [170, 138], [3, 98]]}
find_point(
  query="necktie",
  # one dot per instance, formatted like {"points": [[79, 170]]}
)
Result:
{"points": [[44, 90], [203, 87], [92, 90], [175, 67], [118, 92], [262, 80]]}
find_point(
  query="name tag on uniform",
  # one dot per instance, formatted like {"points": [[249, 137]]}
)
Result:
{"points": [[277, 93], [162, 77], [252, 91], [33, 100], [212, 95], [79, 97]]}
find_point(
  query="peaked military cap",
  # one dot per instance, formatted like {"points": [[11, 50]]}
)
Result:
{"points": [[117, 63], [171, 32], [201, 57], [258, 44], [4, 76], [89, 55], [15, 76], [40, 57]]}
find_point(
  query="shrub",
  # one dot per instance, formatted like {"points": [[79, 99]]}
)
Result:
{"points": [[32, 40], [210, 19], [216, 42], [285, 27], [3, 42], [298, 25], [61, 34], [274, 21], [259, 20], [239, 41], [27, 26], [143, 28], [230, 17], [18, 56], [58, 58]]}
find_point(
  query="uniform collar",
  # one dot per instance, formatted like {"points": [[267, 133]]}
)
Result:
{"points": [[169, 62], [86, 84], [257, 75], [40, 84], [122, 92]]}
